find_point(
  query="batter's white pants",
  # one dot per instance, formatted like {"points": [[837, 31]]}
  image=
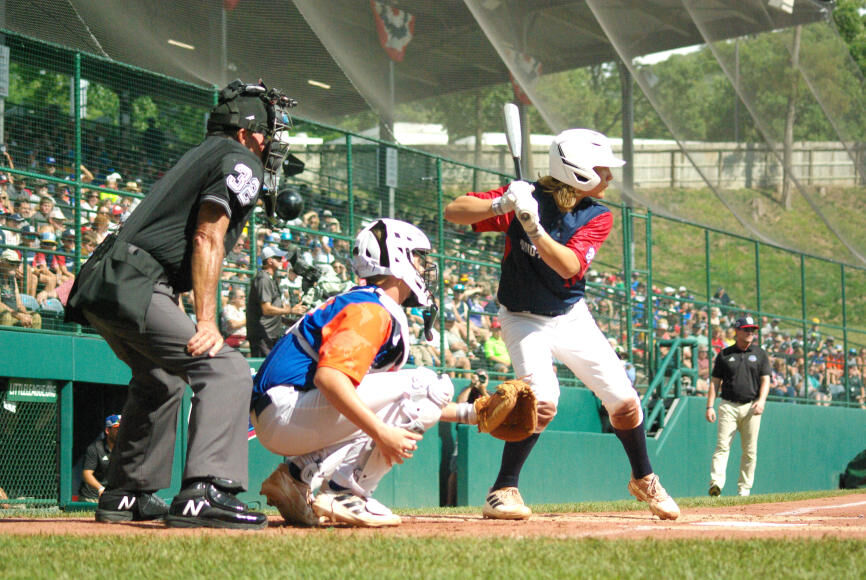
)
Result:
{"points": [[576, 341], [733, 417]]}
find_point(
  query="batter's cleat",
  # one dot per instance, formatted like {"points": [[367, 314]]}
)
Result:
{"points": [[348, 508], [505, 504], [204, 505], [715, 491], [290, 496], [648, 489], [118, 505]]}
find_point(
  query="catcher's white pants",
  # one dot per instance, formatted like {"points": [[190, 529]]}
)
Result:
{"points": [[733, 417], [576, 341], [304, 423]]}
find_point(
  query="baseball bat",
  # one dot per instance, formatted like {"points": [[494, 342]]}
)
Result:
{"points": [[514, 139]]}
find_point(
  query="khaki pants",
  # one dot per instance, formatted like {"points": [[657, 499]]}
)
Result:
{"points": [[733, 417]]}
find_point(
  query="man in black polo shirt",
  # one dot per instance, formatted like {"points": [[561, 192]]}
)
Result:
{"points": [[741, 376], [94, 472], [174, 242]]}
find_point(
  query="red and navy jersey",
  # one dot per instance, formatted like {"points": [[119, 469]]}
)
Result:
{"points": [[526, 283], [356, 333]]}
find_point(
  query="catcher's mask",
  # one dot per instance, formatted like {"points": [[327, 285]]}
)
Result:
{"points": [[257, 108]]}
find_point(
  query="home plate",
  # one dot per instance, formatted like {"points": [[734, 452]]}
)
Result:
{"points": [[736, 524]]}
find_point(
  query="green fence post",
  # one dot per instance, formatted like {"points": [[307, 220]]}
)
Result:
{"points": [[77, 162], [758, 285], [65, 444], [350, 186]]}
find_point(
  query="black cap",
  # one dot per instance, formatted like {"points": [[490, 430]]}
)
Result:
{"points": [[745, 322]]}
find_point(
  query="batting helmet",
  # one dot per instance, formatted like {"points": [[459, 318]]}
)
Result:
{"points": [[576, 152], [387, 247], [290, 204]]}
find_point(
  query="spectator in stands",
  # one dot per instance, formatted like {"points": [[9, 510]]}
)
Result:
{"points": [[43, 212], [89, 204], [62, 262], [779, 386], [94, 472], [458, 349], [703, 369], [816, 383], [234, 318], [101, 225], [5, 200], [265, 307], [24, 208], [12, 310], [495, 351]]}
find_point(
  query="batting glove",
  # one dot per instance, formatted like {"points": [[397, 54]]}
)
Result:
{"points": [[526, 210], [506, 202]]}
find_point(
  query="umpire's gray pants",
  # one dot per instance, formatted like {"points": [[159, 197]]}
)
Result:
{"points": [[161, 368]]}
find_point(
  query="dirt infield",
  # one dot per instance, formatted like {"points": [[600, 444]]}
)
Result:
{"points": [[843, 517]]}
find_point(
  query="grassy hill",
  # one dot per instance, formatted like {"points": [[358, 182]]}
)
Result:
{"points": [[703, 260]]}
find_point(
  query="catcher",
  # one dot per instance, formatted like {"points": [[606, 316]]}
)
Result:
{"points": [[323, 399]]}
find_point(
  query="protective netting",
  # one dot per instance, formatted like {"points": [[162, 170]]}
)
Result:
{"points": [[28, 442], [718, 122]]}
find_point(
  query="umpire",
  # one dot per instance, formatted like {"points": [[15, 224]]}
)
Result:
{"points": [[741, 376], [174, 242]]}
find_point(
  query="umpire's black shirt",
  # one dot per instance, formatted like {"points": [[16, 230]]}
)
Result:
{"points": [[741, 372], [220, 170]]}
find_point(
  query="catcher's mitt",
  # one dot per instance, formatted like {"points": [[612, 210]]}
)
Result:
{"points": [[510, 413]]}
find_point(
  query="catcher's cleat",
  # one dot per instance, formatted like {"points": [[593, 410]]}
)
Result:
{"points": [[348, 508], [648, 489], [118, 505], [204, 505], [505, 504], [290, 496], [715, 490]]}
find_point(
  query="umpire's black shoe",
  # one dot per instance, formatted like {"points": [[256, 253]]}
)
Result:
{"points": [[204, 505], [118, 505]]}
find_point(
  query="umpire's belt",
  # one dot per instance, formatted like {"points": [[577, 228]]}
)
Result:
{"points": [[260, 403]]}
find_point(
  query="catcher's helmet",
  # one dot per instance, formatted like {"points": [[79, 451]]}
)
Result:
{"points": [[387, 248], [290, 204], [575, 152]]}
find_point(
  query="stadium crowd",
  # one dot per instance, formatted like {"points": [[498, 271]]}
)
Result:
{"points": [[38, 257]]}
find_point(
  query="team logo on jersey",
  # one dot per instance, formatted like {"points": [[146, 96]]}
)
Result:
{"points": [[590, 254], [244, 184], [752, 358], [732, 359]]}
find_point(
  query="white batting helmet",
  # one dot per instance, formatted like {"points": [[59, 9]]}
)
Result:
{"points": [[575, 152], [386, 248]]}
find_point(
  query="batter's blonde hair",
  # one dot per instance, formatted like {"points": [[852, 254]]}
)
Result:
{"points": [[565, 196]]}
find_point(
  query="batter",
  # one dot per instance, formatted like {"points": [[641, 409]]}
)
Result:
{"points": [[543, 315]]}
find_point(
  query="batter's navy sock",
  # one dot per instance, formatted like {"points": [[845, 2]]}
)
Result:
{"points": [[513, 457], [634, 443]]}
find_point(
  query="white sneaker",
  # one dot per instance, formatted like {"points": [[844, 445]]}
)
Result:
{"points": [[290, 496], [505, 504], [744, 493], [649, 490], [348, 508]]}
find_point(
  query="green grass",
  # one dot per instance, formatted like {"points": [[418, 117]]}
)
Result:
{"points": [[320, 554], [327, 553]]}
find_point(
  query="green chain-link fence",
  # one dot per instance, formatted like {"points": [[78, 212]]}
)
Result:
{"points": [[29, 433]]}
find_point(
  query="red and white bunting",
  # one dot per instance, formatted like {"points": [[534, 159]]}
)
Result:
{"points": [[395, 28]]}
